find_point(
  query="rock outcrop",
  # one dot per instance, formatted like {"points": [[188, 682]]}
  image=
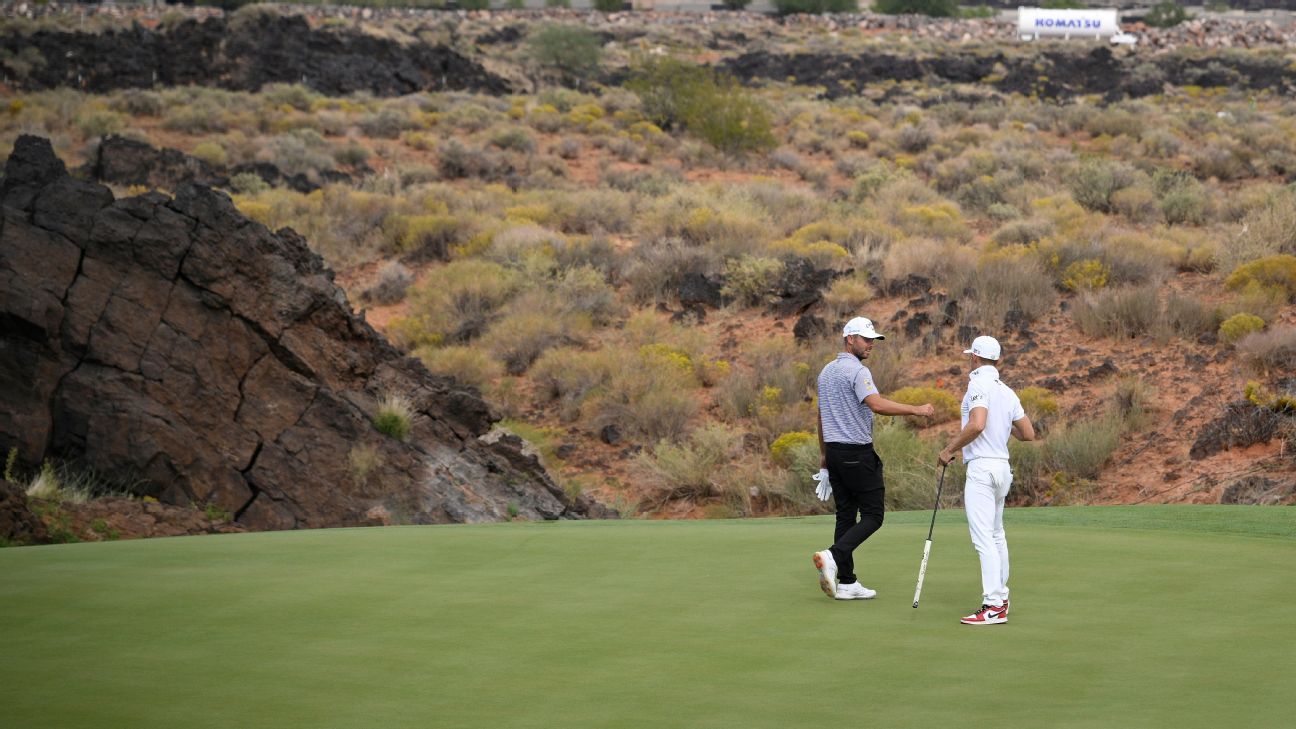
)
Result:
{"points": [[123, 161], [244, 56], [175, 344]]}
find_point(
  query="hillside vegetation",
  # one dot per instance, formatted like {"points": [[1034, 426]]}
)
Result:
{"points": [[644, 275]]}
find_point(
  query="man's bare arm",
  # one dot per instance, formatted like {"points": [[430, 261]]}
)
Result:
{"points": [[1022, 429], [882, 406]]}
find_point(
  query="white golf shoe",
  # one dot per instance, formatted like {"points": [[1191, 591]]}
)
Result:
{"points": [[854, 591], [827, 566]]}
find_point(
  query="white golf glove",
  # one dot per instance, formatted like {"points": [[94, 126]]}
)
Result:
{"points": [[824, 489]]}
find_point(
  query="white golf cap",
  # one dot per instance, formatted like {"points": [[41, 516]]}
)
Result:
{"points": [[984, 347], [861, 326]]}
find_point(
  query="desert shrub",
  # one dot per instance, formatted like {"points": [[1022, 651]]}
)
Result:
{"points": [[352, 154], [1128, 258], [569, 375], [428, 237], [947, 406], [914, 138], [784, 449], [1118, 312], [1001, 284], [199, 118], [1266, 302], [212, 153], [594, 211], [584, 290], [596, 252], [296, 96], [1022, 232], [466, 364], [1268, 228], [647, 401], [938, 261], [1239, 325], [298, 152], [656, 270], [471, 117], [1137, 203], [694, 470], [1269, 352], [1158, 143], [608, 6], [1003, 212], [100, 123], [771, 386], [363, 460], [731, 119], [571, 50], [457, 160], [395, 417], [1097, 180], [1085, 275], [1129, 401], [750, 279], [1182, 198], [1166, 14], [387, 123], [941, 219], [1115, 122], [522, 334], [874, 178], [514, 138], [1276, 272], [393, 281], [815, 7], [456, 302], [138, 102], [1082, 449], [47, 485], [709, 104], [526, 248], [1223, 163], [1038, 402], [848, 294], [569, 148], [1189, 317]]}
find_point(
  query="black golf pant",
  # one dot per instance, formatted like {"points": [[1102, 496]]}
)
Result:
{"points": [[855, 473]]}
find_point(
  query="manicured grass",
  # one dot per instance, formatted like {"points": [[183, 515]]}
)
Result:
{"points": [[1122, 617]]}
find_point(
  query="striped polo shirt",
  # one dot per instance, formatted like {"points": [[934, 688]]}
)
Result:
{"points": [[843, 385], [1002, 408]]}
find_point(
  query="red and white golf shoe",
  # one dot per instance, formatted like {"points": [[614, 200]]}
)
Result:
{"points": [[987, 615]]}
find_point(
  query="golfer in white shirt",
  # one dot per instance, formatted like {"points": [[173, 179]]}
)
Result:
{"points": [[991, 413]]}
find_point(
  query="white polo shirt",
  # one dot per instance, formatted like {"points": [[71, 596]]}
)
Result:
{"points": [[1002, 408]]}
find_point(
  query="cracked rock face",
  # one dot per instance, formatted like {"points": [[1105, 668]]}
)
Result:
{"points": [[174, 344]]}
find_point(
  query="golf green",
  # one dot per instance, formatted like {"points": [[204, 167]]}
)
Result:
{"points": [[1122, 617]]}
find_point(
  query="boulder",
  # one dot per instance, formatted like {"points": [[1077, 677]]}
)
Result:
{"points": [[18, 525], [1258, 490], [175, 344]]}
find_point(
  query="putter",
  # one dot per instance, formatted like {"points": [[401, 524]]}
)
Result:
{"points": [[922, 570]]}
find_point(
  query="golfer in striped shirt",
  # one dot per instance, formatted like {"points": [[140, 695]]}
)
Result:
{"points": [[848, 399]]}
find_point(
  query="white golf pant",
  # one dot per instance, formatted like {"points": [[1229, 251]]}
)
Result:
{"points": [[988, 481]]}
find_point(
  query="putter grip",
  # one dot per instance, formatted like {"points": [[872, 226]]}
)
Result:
{"points": [[922, 571]]}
